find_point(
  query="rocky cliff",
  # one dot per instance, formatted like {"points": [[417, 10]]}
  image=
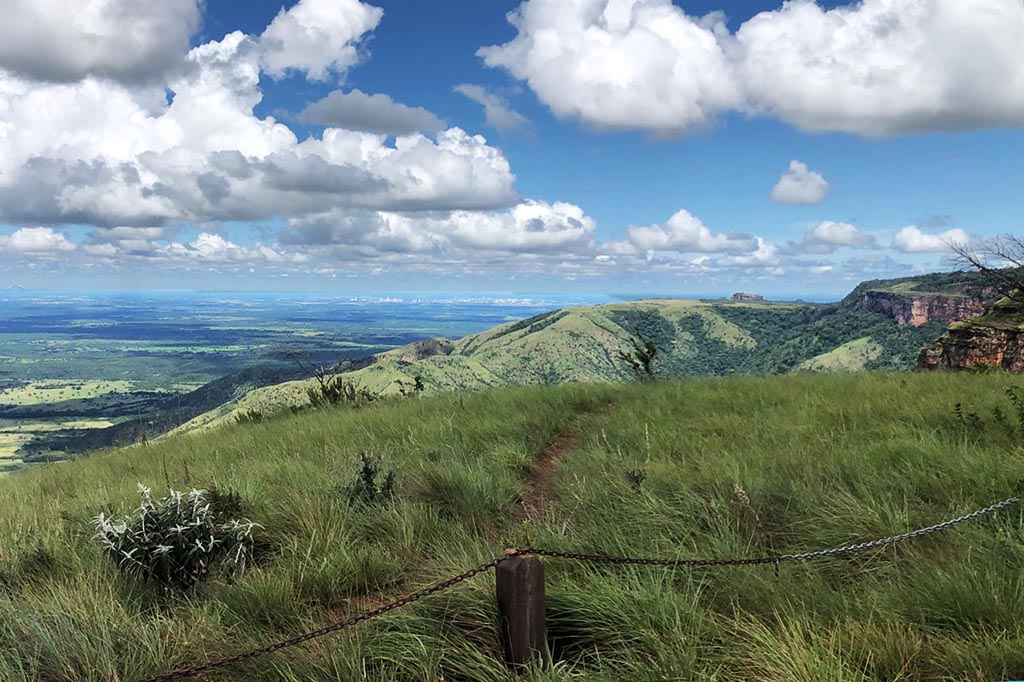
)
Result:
{"points": [[995, 339], [917, 309]]}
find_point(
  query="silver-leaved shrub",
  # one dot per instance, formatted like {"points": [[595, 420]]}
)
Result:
{"points": [[177, 541]]}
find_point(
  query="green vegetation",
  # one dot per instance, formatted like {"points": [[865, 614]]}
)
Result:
{"points": [[640, 358], [372, 484], [848, 357], [1007, 314], [37, 393], [786, 340], [338, 390], [960, 282], [721, 467], [592, 344], [176, 541], [145, 362], [154, 385]]}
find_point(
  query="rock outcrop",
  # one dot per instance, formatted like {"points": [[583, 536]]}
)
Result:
{"points": [[995, 339], [917, 309]]}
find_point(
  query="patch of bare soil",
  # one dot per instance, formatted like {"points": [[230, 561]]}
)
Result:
{"points": [[540, 486]]}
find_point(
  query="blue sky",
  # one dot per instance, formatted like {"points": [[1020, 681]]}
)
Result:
{"points": [[631, 146]]}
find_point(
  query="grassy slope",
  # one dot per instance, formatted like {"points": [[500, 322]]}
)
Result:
{"points": [[849, 357], [824, 459], [580, 345]]}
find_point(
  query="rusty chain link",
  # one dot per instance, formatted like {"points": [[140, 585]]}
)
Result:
{"points": [[801, 556], [575, 556], [348, 622], [864, 546]]}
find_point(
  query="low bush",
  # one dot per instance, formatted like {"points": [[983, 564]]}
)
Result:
{"points": [[1007, 419], [175, 542], [640, 358], [337, 390], [250, 416]]}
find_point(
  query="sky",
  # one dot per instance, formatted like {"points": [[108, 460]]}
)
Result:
{"points": [[578, 146]]}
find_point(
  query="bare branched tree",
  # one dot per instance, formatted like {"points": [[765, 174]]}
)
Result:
{"points": [[303, 359], [1000, 260], [333, 387]]}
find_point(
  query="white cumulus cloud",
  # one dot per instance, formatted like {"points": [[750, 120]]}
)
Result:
{"points": [[528, 227], [621, 63], [95, 152], [912, 239], [498, 114], [214, 248], [873, 68], [800, 185], [317, 37], [886, 67], [684, 232], [135, 41], [357, 110], [764, 255], [35, 240], [831, 233]]}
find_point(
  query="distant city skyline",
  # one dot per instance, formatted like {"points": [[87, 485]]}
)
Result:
{"points": [[543, 146]]}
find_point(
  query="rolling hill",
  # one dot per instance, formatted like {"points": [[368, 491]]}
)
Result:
{"points": [[692, 337], [881, 324]]}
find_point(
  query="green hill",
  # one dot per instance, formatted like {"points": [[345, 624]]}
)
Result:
{"points": [[872, 328], [693, 338], [718, 467]]}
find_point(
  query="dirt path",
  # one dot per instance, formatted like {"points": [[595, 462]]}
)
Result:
{"points": [[540, 486]]}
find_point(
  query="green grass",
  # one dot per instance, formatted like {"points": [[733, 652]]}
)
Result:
{"points": [[824, 460], [850, 357], [581, 345]]}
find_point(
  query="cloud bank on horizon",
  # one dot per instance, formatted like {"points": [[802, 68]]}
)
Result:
{"points": [[127, 145]]}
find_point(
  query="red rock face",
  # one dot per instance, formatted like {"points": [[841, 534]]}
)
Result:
{"points": [[918, 309], [999, 343]]}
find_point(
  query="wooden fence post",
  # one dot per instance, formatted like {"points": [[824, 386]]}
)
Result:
{"points": [[520, 590]]}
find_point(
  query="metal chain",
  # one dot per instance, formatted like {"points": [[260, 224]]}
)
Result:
{"points": [[802, 556], [893, 539], [341, 625], [593, 558]]}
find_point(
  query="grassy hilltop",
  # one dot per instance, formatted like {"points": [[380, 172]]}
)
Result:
{"points": [[730, 467], [693, 338]]}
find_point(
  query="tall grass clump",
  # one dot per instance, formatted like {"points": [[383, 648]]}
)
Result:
{"points": [[1007, 418], [372, 484], [176, 541]]}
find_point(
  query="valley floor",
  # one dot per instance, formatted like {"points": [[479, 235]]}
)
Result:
{"points": [[694, 468]]}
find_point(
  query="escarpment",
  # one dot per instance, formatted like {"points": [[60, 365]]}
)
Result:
{"points": [[917, 309], [994, 339]]}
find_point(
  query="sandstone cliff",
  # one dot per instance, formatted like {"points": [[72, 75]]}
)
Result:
{"points": [[917, 309], [995, 339]]}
